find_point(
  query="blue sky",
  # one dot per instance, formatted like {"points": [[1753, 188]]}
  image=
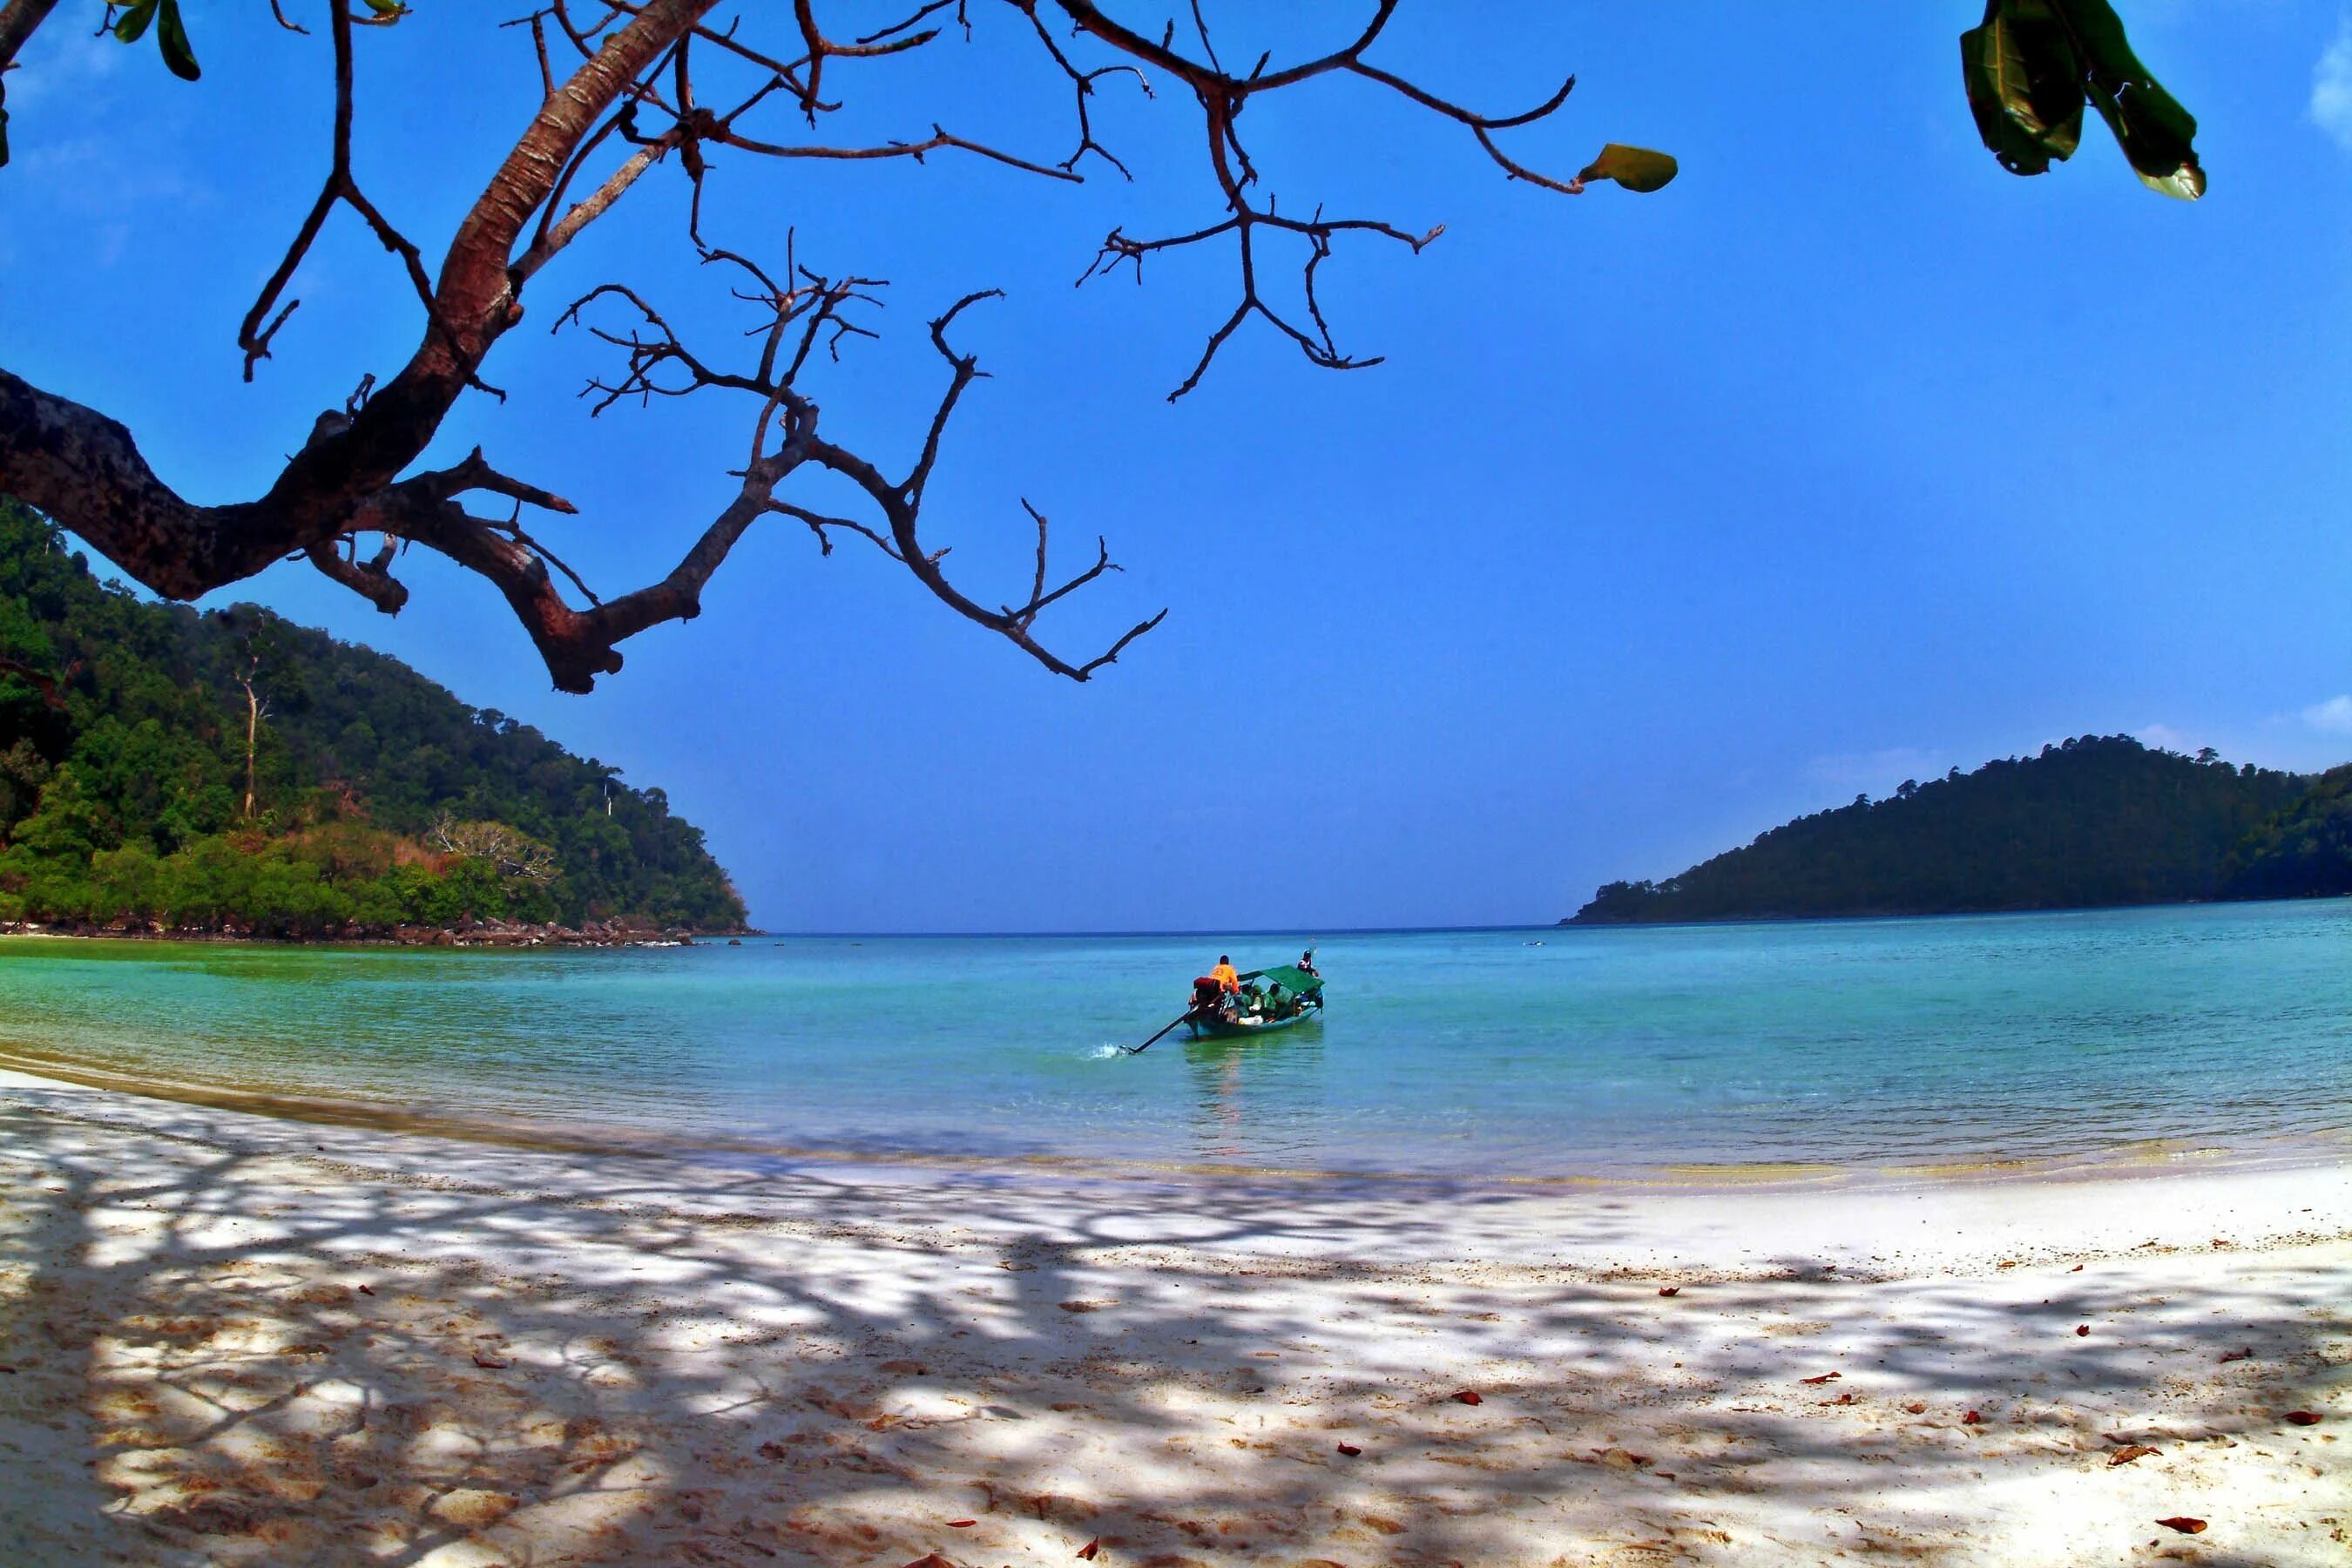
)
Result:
{"points": [[1845, 458]]}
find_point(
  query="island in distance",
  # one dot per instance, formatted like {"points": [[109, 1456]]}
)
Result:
{"points": [[2095, 822]]}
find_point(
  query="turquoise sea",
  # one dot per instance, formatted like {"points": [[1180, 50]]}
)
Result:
{"points": [[1545, 1053]]}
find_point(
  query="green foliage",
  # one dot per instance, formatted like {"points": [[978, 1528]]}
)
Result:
{"points": [[2033, 65], [2306, 850], [2097, 821], [380, 799], [171, 33]]}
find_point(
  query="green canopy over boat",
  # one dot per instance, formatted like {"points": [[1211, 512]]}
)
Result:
{"points": [[1289, 976]]}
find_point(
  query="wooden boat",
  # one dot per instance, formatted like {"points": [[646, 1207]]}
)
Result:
{"points": [[1236, 1023]]}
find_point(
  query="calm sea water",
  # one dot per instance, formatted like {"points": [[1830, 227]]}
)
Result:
{"points": [[1540, 1053]]}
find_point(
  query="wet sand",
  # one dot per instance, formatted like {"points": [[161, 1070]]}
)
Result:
{"points": [[233, 1339]]}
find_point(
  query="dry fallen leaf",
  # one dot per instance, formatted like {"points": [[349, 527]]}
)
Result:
{"points": [[2082, 1331], [1825, 1377], [1468, 1396], [2183, 1523], [930, 1560], [1090, 1547], [367, 1289], [2076, 1269], [2229, 1356], [2129, 1452], [1082, 1306], [2304, 1417], [489, 1362], [1670, 1290], [961, 1523], [1349, 1449], [1918, 1407], [1973, 1418], [1846, 1398]]}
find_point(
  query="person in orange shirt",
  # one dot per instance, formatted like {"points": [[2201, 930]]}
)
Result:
{"points": [[1225, 974]]}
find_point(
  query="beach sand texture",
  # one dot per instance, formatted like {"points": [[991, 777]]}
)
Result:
{"points": [[232, 1339]]}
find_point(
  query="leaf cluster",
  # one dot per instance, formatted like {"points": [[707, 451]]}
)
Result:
{"points": [[2031, 67]]}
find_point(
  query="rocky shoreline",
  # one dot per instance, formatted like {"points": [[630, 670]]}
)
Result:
{"points": [[615, 932]]}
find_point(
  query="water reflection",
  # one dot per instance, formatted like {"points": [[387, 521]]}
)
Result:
{"points": [[1256, 1102]]}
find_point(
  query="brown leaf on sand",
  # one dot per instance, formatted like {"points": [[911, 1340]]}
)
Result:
{"points": [[1090, 1547], [931, 1560], [1083, 1306], [2082, 1331], [1469, 1396], [1918, 1407], [2245, 1354], [961, 1523], [1846, 1398], [1825, 1377], [2304, 1417], [1670, 1290], [2076, 1269], [2129, 1452], [1973, 1418], [367, 1289], [1349, 1449], [489, 1362], [2183, 1523]]}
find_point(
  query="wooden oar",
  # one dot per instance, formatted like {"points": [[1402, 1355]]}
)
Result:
{"points": [[1180, 1018]]}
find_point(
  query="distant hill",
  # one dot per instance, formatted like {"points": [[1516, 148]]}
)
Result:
{"points": [[367, 799], [2101, 820]]}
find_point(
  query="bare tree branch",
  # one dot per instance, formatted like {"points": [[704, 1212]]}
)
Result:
{"points": [[622, 85]]}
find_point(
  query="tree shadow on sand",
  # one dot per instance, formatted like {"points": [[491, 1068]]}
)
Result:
{"points": [[224, 1350]]}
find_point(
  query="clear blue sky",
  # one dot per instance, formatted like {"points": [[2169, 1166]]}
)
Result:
{"points": [[1845, 458]]}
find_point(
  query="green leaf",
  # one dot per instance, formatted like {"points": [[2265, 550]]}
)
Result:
{"points": [[1635, 168], [2024, 86], [133, 25], [2156, 135], [173, 38]]}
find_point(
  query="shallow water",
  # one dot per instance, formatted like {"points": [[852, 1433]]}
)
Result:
{"points": [[1523, 1053]]}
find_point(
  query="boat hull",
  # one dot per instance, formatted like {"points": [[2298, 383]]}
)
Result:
{"points": [[1219, 1030]]}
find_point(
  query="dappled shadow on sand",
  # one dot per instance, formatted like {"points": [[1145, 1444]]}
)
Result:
{"points": [[226, 1345]]}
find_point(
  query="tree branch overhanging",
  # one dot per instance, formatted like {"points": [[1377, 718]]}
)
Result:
{"points": [[628, 87]]}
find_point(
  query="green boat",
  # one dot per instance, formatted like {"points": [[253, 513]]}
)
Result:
{"points": [[1295, 994]]}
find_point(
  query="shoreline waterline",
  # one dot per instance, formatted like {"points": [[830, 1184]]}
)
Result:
{"points": [[2136, 1161]]}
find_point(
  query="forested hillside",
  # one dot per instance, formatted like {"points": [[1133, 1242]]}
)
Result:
{"points": [[2098, 820], [231, 770]]}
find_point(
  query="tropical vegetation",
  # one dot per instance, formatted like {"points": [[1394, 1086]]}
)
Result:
{"points": [[230, 771]]}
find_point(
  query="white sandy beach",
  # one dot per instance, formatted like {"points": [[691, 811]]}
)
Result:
{"points": [[230, 1339]]}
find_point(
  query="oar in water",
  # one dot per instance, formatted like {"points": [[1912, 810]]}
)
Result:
{"points": [[1180, 1018]]}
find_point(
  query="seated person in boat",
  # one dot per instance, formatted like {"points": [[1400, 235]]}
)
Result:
{"points": [[1225, 974]]}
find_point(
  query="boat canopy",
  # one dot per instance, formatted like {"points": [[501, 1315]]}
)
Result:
{"points": [[1289, 976]]}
